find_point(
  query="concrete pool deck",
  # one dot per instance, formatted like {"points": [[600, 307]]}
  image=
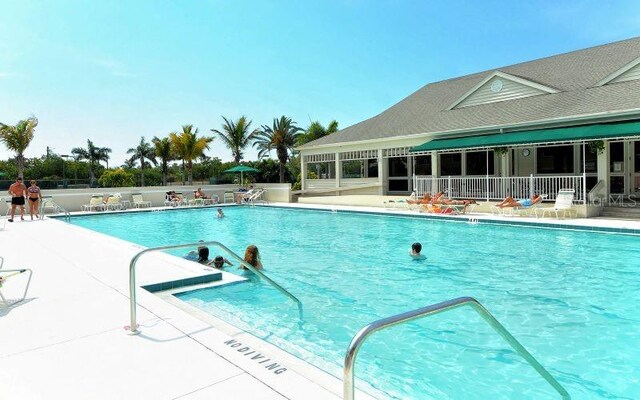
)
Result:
{"points": [[67, 339]]}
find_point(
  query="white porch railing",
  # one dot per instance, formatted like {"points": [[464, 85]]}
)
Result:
{"points": [[498, 188]]}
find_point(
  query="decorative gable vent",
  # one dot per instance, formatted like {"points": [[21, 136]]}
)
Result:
{"points": [[500, 87], [629, 72]]}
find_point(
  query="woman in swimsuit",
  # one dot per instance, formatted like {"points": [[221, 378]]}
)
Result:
{"points": [[522, 203], [35, 196]]}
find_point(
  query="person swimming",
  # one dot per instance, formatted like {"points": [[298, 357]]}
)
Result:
{"points": [[220, 213], [415, 252], [219, 262]]}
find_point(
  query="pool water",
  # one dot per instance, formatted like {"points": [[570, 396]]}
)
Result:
{"points": [[570, 297]]}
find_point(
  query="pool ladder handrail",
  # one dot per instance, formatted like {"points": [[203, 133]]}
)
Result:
{"points": [[67, 214], [132, 275], [364, 333]]}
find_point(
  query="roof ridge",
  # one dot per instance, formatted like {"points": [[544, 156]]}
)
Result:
{"points": [[533, 61]]}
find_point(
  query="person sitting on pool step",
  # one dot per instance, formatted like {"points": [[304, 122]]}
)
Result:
{"points": [[219, 262]]}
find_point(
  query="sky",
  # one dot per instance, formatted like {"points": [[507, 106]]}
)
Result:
{"points": [[114, 71]]}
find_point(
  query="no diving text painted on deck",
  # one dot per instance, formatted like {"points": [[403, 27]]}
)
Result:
{"points": [[256, 356]]}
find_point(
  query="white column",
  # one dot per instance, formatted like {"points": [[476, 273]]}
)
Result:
{"points": [[303, 172], [435, 171], [435, 164], [603, 168], [338, 170], [381, 180]]}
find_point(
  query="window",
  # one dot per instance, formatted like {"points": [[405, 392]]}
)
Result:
{"points": [[372, 168], [555, 160], [616, 158], [451, 164], [423, 165], [398, 166], [398, 185], [636, 151], [591, 160], [353, 169], [477, 163], [319, 171]]}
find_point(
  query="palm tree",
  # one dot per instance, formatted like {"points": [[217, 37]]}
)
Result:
{"points": [[92, 154], [188, 146], [164, 152], [316, 130], [143, 152], [17, 138], [237, 136], [280, 137]]}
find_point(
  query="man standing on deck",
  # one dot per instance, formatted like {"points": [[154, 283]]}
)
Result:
{"points": [[18, 193]]}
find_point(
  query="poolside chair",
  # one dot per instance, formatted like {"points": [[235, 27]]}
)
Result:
{"points": [[5, 274], [438, 208], [94, 204], [113, 203], [47, 203], [139, 201], [564, 204], [228, 196], [178, 200], [400, 203], [196, 202], [518, 211]]}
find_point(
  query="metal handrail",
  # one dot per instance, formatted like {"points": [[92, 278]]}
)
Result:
{"points": [[132, 275], [67, 214], [364, 333]]}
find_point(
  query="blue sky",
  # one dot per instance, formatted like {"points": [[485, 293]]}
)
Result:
{"points": [[112, 71]]}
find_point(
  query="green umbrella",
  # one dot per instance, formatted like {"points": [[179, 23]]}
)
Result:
{"points": [[242, 169]]}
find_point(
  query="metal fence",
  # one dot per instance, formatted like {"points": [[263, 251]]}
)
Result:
{"points": [[498, 188]]}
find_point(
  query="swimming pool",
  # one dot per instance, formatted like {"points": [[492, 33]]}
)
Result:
{"points": [[570, 297]]}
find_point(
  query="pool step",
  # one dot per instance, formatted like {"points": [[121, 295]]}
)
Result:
{"points": [[621, 212], [196, 280]]}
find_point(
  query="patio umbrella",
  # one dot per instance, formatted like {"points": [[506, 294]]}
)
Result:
{"points": [[242, 169]]}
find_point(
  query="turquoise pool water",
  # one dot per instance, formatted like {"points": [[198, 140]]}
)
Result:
{"points": [[571, 297]]}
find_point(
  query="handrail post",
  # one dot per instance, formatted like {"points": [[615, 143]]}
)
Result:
{"points": [[133, 327], [364, 333]]}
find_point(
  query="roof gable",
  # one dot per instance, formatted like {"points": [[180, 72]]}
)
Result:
{"points": [[629, 72], [500, 86]]}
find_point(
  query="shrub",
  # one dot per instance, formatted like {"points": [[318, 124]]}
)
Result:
{"points": [[117, 178]]}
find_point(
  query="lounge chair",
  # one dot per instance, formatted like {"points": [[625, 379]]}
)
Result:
{"points": [[94, 204], [564, 204], [228, 196], [113, 203], [178, 200], [5, 274], [438, 209], [47, 203], [518, 211], [400, 203], [139, 201]]}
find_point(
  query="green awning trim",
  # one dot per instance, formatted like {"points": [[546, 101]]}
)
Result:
{"points": [[575, 133]]}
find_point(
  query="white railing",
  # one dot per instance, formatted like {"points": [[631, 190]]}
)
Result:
{"points": [[320, 183], [354, 182], [498, 188]]}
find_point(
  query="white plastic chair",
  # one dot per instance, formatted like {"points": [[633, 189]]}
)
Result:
{"points": [[564, 204], [139, 201], [8, 273]]}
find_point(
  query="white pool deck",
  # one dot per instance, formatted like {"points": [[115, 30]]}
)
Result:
{"points": [[67, 339]]}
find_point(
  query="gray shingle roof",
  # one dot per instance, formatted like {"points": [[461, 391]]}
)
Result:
{"points": [[574, 74]]}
